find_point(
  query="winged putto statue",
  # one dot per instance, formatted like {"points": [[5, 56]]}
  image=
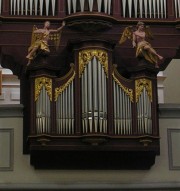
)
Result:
{"points": [[138, 38], [40, 38]]}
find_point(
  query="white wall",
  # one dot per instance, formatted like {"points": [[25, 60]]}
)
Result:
{"points": [[172, 82], [25, 175]]}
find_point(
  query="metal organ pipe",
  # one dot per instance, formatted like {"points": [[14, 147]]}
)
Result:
{"points": [[122, 111], [0, 6], [47, 7], [72, 5], [65, 111], [32, 7], [146, 8], [91, 2], [144, 113], [94, 99], [150, 8], [82, 5], [43, 112]]}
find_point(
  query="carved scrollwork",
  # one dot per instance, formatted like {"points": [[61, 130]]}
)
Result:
{"points": [[128, 91], [86, 55], [59, 90], [39, 83], [140, 84]]}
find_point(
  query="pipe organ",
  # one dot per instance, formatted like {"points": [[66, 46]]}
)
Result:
{"points": [[144, 108], [0, 6], [144, 8], [43, 102], [92, 110], [101, 6], [64, 98], [148, 9], [103, 113], [94, 93], [177, 8], [131, 103], [33, 7], [122, 99]]}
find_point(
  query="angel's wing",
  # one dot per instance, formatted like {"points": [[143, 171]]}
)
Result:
{"points": [[127, 34], [35, 36], [56, 37], [148, 33]]}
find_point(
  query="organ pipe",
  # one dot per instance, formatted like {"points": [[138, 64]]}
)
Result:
{"points": [[144, 113], [35, 7], [14, 7], [69, 6], [94, 99], [43, 112], [91, 2], [150, 8], [135, 8], [82, 5], [122, 109], [99, 3], [72, 5], [65, 108], [30, 7], [178, 7], [130, 7], [0, 6], [47, 7], [145, 8]]}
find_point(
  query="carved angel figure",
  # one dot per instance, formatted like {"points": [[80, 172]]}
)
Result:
{"points": [[138, 38], [40, 38]]}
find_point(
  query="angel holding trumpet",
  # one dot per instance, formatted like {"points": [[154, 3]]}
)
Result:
{"points": [[138, 38], [40, 38]]}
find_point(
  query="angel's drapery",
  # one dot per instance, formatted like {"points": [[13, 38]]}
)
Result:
{"points": [[141, 52]]}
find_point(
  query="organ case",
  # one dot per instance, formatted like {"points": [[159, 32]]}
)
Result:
{"points": [[93, 113]]}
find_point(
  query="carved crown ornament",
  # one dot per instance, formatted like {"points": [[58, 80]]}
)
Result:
{"points": [[140, 84], [39, 83], [85, 56]]}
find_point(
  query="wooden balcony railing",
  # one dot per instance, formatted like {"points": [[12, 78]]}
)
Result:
{"points": [[120, 9]]}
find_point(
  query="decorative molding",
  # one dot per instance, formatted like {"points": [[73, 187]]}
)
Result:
{"points": [[39, 83], [86, 55], [169, 111], [7, 153], [173, 164], [128, 91], [140, 84], [11, 110], [59, 90]]}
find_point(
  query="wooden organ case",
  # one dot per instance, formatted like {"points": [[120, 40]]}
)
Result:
{"points": [[91, 104], [92, 117]]}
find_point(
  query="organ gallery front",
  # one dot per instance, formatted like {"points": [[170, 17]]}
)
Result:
{"points": [[90, 102]]}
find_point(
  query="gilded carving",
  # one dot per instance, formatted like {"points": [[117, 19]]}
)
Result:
{"points": [[87, 55], [140, 84], [39, 83], [59, 90], [128, 91]]}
